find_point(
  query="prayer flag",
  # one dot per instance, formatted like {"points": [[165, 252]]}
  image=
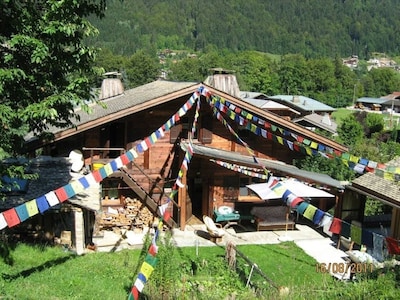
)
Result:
{"points": [[146, 269], [3, 223], [69, 190], [61, 194], [345, 230], [32, 208], [11, 217], [326, 220], [42, 204], [302, 207], [355, 234], [84, 182], [76, 186], [319, 214], [336, 226], [22, 212], [392, 245], [367, 238], [310, 212], [134, 294], [52, 198], [108, 169]]}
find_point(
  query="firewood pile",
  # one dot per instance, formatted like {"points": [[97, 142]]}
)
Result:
{"points": [[126, 213]]}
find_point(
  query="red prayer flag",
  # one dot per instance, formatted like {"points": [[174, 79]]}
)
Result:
{"points": [[97, 176], [124, 159], [296, 201], [11, 217], [135, 293], [167, 215], [336, 226], [61, 194], [392, 245]]}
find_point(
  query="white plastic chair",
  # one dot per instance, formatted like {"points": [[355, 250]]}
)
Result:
{"points": [[212, 228]]}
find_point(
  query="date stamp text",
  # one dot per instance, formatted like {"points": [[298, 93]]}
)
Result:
{"points": [[344, 267]]}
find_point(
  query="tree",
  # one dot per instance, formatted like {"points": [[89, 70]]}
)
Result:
{"points": [[141, 68], [45, 69], [350, 131]]}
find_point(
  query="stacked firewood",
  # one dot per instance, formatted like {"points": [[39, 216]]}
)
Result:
{"points": [[130, 214]]}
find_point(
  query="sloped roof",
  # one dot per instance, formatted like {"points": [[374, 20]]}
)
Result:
{"points": [[269, 104], [323, 122], [160, 91], [130, 101], [303, 103], [372, 100], [273, 165], [377, 187]]}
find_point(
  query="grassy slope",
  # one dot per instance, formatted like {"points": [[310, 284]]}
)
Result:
{"points": [[51, 273]]}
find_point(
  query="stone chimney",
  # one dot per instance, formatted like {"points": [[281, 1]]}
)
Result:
{"points": [[224, 80], [111, 85], [295, 99]]}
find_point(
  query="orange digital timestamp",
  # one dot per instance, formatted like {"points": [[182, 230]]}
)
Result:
{"points": [[344, 267]]}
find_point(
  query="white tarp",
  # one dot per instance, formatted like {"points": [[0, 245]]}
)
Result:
{"points": [[270, 189]]}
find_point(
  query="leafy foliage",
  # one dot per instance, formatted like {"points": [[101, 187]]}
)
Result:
{"points": [[45, 69], [311, 28], [350, 131]]}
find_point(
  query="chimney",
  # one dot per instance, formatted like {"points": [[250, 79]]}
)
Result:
{"points": [[224, 80], [295, 99], [111, 85]]}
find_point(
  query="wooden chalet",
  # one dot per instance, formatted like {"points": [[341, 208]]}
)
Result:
{"points": [[132, 115]]}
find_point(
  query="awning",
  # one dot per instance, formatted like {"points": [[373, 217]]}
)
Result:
{"points": [[271, 165], [271, 189]]}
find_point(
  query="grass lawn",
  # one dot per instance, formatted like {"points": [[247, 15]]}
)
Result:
{"points": [[37, 272]]}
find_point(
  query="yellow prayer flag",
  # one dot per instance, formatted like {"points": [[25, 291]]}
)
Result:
{"points": [[146, 270], [310, 212], [108, 169], [76, 186], [32, 208], [279, 139]]}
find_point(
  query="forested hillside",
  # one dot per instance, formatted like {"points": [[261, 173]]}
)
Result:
{"points": [[312, 28]]}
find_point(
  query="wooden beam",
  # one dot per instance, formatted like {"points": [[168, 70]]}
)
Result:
{"points": [[182, 198]]}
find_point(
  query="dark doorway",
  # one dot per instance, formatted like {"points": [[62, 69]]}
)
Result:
{"points": [[196, 195]]}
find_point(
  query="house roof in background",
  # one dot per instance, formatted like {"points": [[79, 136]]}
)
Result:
{"points": [[269, 105], [372, 100], [323, 122], [303, 103]]}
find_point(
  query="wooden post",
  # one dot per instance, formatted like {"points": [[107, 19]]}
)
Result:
{"points": [[395, 225], [182, 198]]}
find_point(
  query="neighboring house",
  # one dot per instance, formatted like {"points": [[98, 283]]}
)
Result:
{"points": [[131, 117], [381, 186], [383, 104], [303, 104], [314, 121], [262, 101]]}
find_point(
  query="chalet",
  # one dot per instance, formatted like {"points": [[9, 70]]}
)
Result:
{"points": [[389, 103], [303, 104], [156, 121], [314, 121], [262, 101]]}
